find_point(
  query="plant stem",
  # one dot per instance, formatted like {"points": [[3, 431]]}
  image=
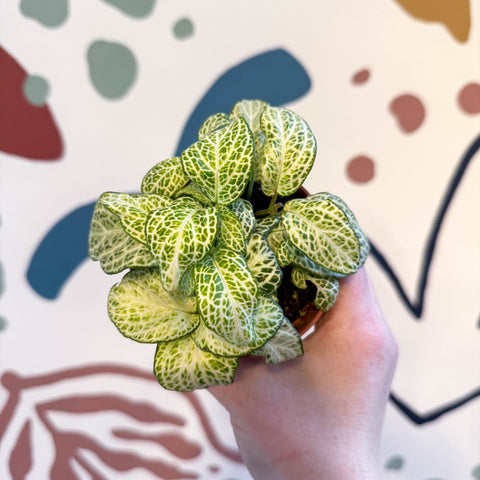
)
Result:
{"points": [[272, 208]]}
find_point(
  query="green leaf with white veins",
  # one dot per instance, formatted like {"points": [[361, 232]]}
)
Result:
{"points": [[212, 123], [321, 230], [165, 178], [144, 311], [263, 263], [133, 210], [286, 344], [288, 154], [226, 296], [178, 237], [109, 243], [267, 318], [230, 231], [221, 163], [327, 288], [244, 212], [182, 366]]}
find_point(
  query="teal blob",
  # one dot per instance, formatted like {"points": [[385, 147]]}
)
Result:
{"points": [[133, 8], [183, 28], [476, 472], [36, 90], [112, 67], [50, 13], [3, 323], [395, 463], [2, 279]]}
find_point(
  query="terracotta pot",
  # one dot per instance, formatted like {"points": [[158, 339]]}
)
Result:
{"points": [[304, 323]]}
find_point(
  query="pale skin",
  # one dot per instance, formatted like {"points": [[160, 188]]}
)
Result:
{"points": [[319, 416]]}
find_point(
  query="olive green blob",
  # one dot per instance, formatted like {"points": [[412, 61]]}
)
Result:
{"points": [[183, 28], [36, 90], [112, 68], [50, 13], [133, 8]]}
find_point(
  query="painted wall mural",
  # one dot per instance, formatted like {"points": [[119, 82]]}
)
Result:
{"points": [[399, 139]]}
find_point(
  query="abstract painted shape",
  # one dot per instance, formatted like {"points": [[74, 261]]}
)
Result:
{"points": [[20, 461], [395, 463], [183, 28], [361, 77], [50, 13], [66, 245], [36, 90], [2, 279], [60, 252], [112, 68], [274, 76], [453, 14], [476, 472], [469, 98], [25, 129], [409, 112], [3, 323], [133, 8], [361, 169]]}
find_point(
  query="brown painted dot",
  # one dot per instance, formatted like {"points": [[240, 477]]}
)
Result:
{"points": [[361, 77], [469, 98], [408, 111], [361, 169]]}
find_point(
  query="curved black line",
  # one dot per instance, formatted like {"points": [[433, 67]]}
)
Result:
{"points": [[416, 305], [433, 415]]}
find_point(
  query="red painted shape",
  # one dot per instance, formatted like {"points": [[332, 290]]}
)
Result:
{"points": [[361, 77], [25, 129], [409, 112], [21, 456]]}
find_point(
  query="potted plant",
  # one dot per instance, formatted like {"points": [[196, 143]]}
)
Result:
{"points": [[220, 242]]}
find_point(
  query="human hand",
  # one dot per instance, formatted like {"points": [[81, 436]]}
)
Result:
{"points": [[319, 416]]}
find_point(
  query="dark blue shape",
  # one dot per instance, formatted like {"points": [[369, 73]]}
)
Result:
{"points": [[61, 251], [274, 76]]}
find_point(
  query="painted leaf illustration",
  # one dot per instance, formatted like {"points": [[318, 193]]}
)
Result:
{"points": [[144, 311], [244, 212], [180, 365], [110, 244], [263, 263], [20, 461], [165, 178], [267, 319], [178, 237], [327, 288], [212, 123], [221, 163], [226, 296], [288, 154], [321, 230], [230, 231], [133, 210], [285, 345]]}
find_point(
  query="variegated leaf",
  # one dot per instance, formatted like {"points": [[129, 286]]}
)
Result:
{"points": [[226, 296], [230, 231], [133, 210], [192, 190], [109, 243], [265, 225], [165, 178], [267, 318], [251, 111], [288, 154], [221, 163], [212, 123], [321, 230], [178, 237], [180, 365], [327, 288], [144, 311], [263, 263], [362, 238], [244, 211], [286, 344], [186, 285]]}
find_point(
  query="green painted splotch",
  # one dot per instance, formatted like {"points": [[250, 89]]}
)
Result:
{"points": [[133, 8], [183, 28], [36, 90], [2, 280], [50, 13], [395, 463], [3, 323], [112, 68], [476, 472]]}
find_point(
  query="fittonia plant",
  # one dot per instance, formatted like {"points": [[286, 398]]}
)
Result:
{"points": [[206, 252]]}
